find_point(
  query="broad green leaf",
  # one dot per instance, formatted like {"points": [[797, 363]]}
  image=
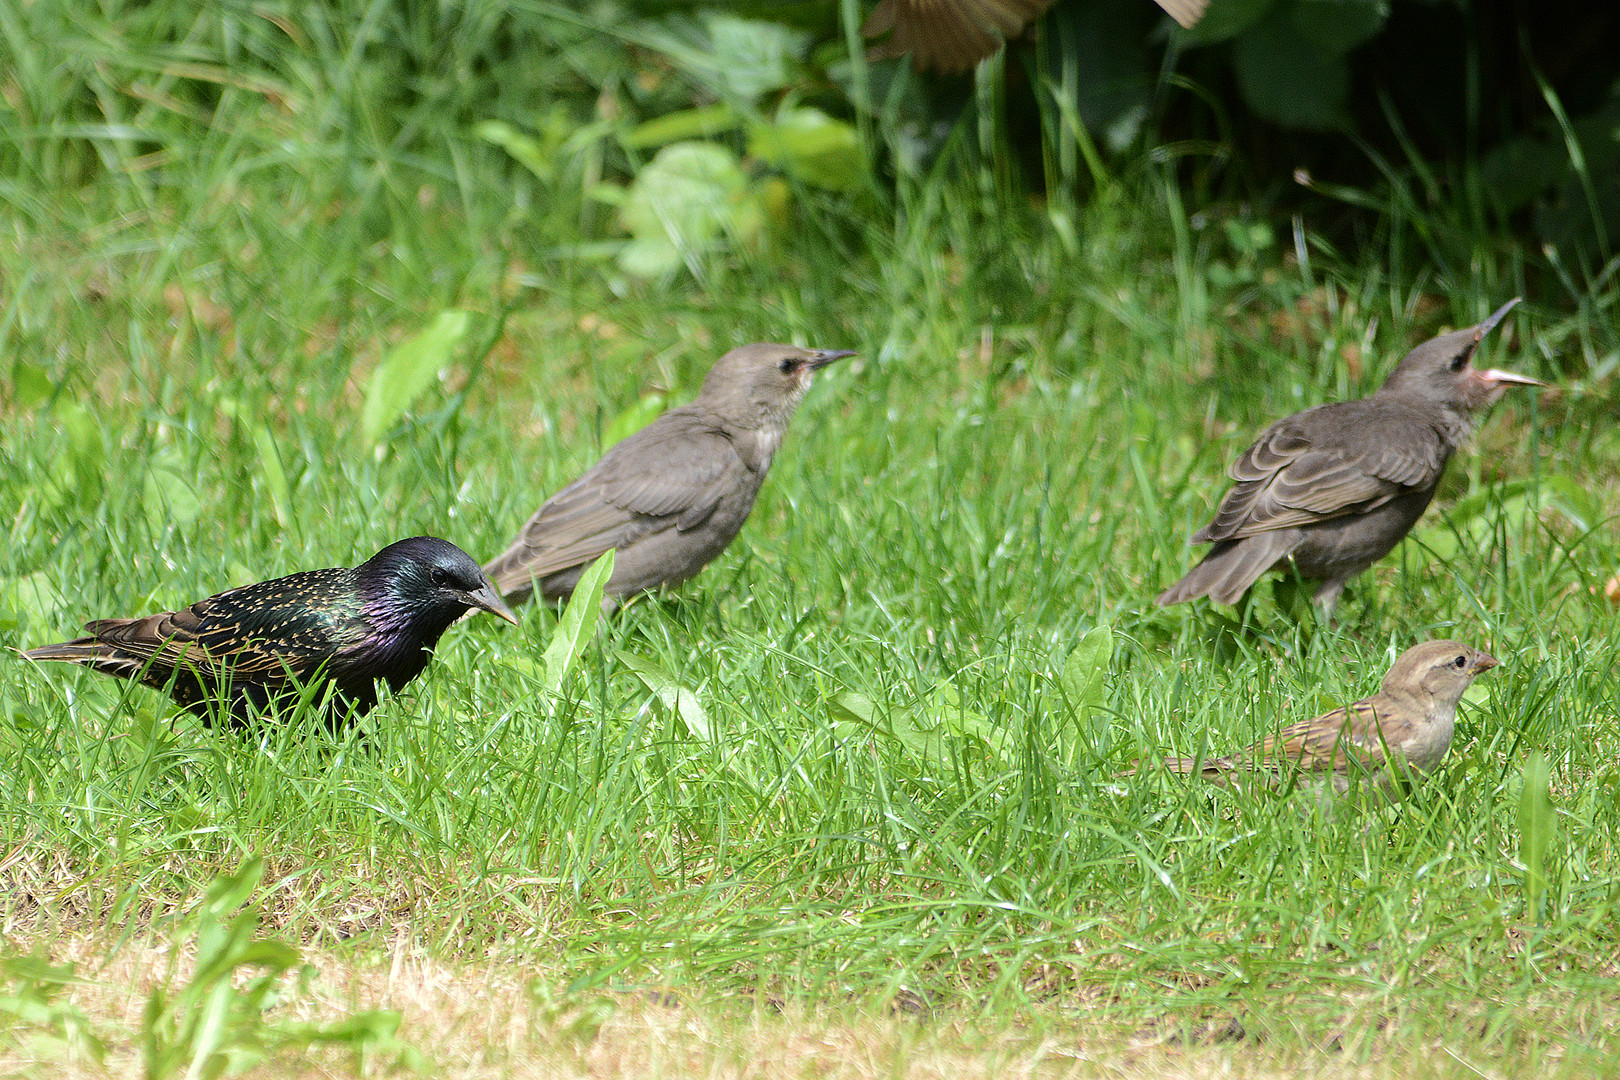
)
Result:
{"points": [[1337, 26], [1537, 821], [408, 369], [750, 57], [527, 150], [30, 385], [1469, 523], [34, 597], [83, 432], [1085, 673], [1225, 19], [680, 699], [812, 146], [578, 621], [171, 498], [633, 419], [682, 203], [685, 124], [951, 716], [857, 707], [275, 477], [1287, 78]]}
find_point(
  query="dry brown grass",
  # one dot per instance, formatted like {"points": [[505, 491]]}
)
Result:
{"points": [[500, 1019]]}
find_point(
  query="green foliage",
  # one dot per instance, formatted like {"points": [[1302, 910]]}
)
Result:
{"points": [[214, 1024], [30, 1006], [578, 623], [409, 369], [684, 203], [1537, 826]]}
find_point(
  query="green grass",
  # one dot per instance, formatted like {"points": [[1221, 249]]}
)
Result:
{"points": [[888, 788]]}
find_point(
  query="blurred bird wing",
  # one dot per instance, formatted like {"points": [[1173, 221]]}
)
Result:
{"points": [[1286, 479], [631, 492], [1185, 12], [949, 35]]}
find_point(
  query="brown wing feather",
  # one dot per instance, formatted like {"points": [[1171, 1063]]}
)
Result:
{"points": [[1324, 463], [621, 500]]}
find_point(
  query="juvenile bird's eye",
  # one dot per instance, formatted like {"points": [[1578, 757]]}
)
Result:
{"points": [[1459, 362], [1460, 663], [785, 366]]}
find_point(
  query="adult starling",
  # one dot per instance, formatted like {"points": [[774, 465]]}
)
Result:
{"points": [[1333, 489], [1404, 728], [670, 497], [238, 652], [953, 35]]}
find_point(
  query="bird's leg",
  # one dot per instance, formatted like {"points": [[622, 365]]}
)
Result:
{"points": [[1326, 598]]}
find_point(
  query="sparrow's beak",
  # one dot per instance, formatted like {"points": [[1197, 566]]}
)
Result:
{"points": [[1484, 662], [490, 600], [1495, 317], [820, 358]]}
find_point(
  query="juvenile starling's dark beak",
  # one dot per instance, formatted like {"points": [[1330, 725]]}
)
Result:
{"points": [[820, 358], [1495, 317], [1496, 376], [490, 600]]}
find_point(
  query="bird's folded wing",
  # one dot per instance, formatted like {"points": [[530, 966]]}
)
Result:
{"points": [[661, 482], [1332, 742], [1286, 479], [225, 632]]}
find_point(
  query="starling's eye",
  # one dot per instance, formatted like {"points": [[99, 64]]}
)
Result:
{"points": [[1459, 362], [440, 577], [1460, 663], [787, 365]]}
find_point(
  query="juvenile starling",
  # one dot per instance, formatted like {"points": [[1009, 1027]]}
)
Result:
{"points": [[670, 497], [235, 653], [1333, 489], [1404, 728]]}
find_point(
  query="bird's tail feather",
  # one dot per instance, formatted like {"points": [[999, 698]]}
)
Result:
{"points": [[81, 651], [1209, 768], [1231, 566]]}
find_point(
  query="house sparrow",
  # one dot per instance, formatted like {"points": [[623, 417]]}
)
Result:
{"points": [[1405, 726]]}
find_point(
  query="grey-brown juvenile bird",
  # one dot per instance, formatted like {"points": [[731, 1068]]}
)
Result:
{"points": [[953, 35], [1404, 728], [1333, 489], [240, 651], [670, 497]]}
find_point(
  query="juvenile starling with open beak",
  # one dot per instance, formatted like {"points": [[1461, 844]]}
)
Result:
{"points": [[1333, 489]]}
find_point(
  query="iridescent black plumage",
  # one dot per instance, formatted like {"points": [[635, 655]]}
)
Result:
{"points": [[235, 653]]}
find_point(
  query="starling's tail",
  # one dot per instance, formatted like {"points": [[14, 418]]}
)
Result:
{"points": [[1231, 566], [78, 651]]}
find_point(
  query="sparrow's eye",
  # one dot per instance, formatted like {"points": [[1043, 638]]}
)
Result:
{"points": [[787, 365], [1460, 663]]}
